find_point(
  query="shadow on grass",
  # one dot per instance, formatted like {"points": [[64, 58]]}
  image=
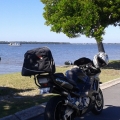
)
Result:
{"points": [[11, 102], [11, 91]]}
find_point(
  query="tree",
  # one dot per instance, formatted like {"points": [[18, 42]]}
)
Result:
{"points": [[82, 17]]}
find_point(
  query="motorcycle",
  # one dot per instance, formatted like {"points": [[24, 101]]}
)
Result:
{"points": [[78, 92]]}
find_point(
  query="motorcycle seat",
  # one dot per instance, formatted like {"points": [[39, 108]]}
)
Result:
{"points": [[63, 81]]}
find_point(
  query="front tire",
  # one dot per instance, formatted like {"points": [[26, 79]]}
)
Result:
{"points": [[55, 109], [98, 104]]}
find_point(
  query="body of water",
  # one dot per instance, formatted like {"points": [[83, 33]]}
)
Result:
{"points": [[12, 57]]}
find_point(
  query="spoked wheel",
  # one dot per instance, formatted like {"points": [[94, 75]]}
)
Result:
{"points": [[99, 103], [55, 109]]}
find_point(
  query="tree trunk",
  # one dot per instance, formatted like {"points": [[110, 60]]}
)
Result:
{"points": [[100, 47]]}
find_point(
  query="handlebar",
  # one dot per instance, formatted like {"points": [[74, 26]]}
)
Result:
{"points": [[87, 67]]}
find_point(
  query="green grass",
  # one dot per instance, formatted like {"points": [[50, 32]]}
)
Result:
{"points": [[18, 92]]}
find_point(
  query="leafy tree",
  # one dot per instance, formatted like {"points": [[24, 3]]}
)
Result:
{"points": [[82, 17]]}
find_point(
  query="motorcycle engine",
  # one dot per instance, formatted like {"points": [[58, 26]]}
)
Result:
{"points": [[84, 102]]}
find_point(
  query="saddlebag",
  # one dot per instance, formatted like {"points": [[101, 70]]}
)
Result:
{"points": [[37, 61]]}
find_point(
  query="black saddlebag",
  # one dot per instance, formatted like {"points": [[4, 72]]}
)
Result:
{"points": [[37, 61]]}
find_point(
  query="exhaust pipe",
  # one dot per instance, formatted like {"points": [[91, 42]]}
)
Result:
{"points": [[71, 105]]}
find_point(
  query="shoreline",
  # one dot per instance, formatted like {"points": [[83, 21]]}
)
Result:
{"points": [[37, 42]]}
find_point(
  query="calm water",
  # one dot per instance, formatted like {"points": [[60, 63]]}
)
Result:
{"points": [[12, 57]]}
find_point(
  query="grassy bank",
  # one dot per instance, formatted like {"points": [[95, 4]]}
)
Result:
{"points": [[18, 92]]}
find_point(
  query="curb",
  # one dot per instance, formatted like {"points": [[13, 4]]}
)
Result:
{"points": [[27, 113], [38, 110], [110, 83]]}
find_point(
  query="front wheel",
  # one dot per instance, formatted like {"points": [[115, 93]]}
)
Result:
{"points": [[55, 109], [99, 103]]}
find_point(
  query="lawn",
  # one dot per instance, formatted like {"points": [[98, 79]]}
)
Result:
{"points": [[18, 92]]}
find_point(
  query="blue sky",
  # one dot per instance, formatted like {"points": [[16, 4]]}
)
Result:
{"points": [[22, 20]]}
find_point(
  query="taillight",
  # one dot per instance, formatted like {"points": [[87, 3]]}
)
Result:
{"points": [[44, 85]]}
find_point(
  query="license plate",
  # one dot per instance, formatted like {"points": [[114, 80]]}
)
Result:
{"points": [[43, 80], [44, 90]]}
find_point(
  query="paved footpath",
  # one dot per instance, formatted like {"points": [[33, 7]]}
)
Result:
{"points": [[111, 109]]}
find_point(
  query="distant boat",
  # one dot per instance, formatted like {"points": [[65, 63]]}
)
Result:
{"points": [[14, 44]]}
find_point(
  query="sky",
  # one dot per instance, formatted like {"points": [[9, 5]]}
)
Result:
{"points": [[22, 20]]}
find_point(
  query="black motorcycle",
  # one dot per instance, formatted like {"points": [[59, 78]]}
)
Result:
{"points": [[72, 100], [76, 92]]}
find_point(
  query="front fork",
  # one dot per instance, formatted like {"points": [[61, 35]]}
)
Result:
{"points": [[95, 84], [95, 81]]}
